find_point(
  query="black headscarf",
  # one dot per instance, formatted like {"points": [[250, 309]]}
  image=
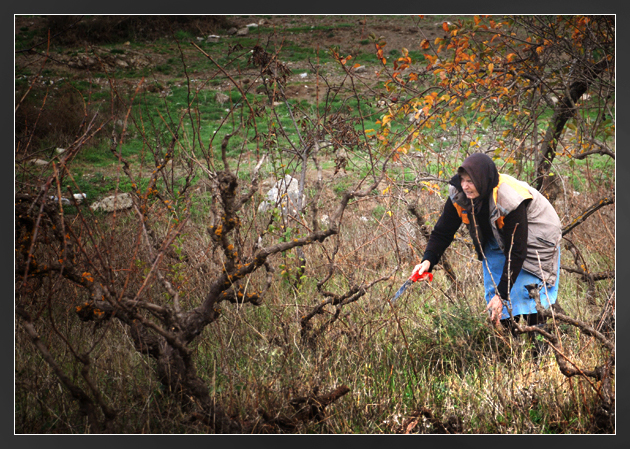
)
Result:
{"points": [[484, 174]]}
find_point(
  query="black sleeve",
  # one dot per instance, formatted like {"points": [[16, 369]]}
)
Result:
{"points": [[515, 243], [442, 234]]}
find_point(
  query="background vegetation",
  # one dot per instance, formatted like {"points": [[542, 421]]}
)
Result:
{"points": [[195, 310]]}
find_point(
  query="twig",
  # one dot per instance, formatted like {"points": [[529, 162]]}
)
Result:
{"points": [[588, 212]]}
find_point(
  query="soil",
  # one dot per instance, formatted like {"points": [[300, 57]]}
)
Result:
{"points": [[397, 31], [351, 37]]}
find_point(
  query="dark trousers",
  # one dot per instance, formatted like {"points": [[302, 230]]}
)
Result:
{"points": [[532, 319]]}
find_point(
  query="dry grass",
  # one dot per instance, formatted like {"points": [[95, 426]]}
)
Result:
{"points": [[433, 349], [430, 363]]}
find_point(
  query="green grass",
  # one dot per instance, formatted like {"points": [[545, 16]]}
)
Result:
{"points": [[426, 352], [434, 349]]}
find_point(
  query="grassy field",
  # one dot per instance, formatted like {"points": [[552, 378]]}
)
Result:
{"points": [[430, 363]]}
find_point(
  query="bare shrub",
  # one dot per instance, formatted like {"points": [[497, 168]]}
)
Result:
{"points": [[193, 312]]}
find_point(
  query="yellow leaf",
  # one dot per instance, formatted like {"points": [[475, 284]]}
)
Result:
{"points": [[490, 68]]}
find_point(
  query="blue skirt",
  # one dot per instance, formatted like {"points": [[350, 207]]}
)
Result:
{"points": [[519, 300]]}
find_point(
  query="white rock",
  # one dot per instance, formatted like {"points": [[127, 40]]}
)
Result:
{"points": [[64, 201], [415, 117], [285, 194], [112, 203], [440, 24], [221, 97], [78, 198]]}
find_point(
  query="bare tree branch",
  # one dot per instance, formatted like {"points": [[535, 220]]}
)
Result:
{"points": [[587, 213]]}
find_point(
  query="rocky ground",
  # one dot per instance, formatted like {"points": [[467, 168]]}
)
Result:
{"points": [[397, 31], [352, 37]]}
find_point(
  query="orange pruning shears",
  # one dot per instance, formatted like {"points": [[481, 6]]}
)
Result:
{"points": [[413, 278]]}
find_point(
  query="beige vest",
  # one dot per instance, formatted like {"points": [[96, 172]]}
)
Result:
{"points": [[544, 227]]}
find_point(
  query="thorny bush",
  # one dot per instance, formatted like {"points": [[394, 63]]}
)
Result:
{"points": [[167, 280]]}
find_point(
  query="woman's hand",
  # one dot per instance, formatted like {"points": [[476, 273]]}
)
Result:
{"points": [[421, 267], [495, 307]]}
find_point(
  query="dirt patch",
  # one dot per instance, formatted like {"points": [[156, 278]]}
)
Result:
{"points": [[396, 31], [352, 35], [349, 33]]}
